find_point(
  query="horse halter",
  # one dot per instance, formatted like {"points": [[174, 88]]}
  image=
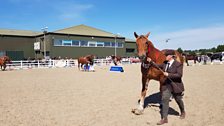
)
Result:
{"points": [[149, 48], [145, 46], [145, 64]]}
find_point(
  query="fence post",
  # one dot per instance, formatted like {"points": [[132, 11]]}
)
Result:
{"points": [[53, 63], [49, 63], [38, 63], [21, 64], [67, 63]]}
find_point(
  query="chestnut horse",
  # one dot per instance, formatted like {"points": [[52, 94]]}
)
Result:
{"points": [[116, 59], [145, 49], [85, 60], [3, 61]]}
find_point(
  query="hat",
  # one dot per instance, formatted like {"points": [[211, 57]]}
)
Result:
{"points": [[169, 52]]}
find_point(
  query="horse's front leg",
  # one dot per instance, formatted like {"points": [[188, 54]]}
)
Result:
{"points": [[4, 66], [81, 66], [145, 82], [140, 108]]}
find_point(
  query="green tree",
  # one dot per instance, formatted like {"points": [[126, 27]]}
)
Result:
{"points": [[213, 49], [180, 50], [220, 48], [192, 53], [203, 52]]}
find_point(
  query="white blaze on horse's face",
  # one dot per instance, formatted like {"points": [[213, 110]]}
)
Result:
{"points": [[142, 45]]}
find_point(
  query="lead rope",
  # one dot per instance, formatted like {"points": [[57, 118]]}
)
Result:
{"points": [[153, 63]]}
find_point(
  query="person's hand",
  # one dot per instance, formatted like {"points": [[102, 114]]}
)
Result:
{"points": [[165, 74], [149, 59]]}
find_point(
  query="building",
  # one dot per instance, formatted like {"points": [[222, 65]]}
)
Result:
{"points": [[71, 42]]}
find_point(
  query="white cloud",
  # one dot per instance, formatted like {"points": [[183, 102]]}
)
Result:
{"points": [[72, 11], [191, 38]]}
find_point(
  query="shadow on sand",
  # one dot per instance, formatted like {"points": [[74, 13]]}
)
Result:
{"points": [[154, 100]]}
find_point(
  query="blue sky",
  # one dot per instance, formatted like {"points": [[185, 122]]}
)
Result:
{"points": [[189, 24]]}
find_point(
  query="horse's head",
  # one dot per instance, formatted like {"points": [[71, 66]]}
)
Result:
{"points": [[118, 58], [6, 59], [90, 58], [143, 44]]}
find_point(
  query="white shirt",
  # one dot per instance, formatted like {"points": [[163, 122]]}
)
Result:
{"points": [[169, 64]]}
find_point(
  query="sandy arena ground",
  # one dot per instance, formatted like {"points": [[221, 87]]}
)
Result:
{"points": [[68, 97]]}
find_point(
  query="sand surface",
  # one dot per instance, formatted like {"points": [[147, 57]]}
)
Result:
{"points": [[69, 97]]}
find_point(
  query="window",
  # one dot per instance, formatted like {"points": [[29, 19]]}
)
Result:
{"points": [[84, 43], [107, 44], [100, 44], [67, 42], [120, 44], [2, 53], [113, 44], [75, 43], [57, 42], [91, 44], [130, 50]]}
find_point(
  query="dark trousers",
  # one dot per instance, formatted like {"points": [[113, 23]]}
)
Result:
{"points": [[166, 94]]}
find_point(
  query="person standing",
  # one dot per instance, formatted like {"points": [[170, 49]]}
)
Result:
{"points": [[172, 86]]}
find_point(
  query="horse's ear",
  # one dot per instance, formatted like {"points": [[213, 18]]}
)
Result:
{"points": [[147, 35], [136, 36]]}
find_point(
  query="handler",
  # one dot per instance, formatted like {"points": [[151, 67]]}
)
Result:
{"points": [[172, 86]]}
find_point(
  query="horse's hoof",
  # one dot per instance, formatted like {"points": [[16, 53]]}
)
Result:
{"points": [[137, 111]]}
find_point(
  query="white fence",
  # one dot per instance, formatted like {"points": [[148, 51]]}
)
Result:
{"points": [[101, 62], [30, 64]]}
